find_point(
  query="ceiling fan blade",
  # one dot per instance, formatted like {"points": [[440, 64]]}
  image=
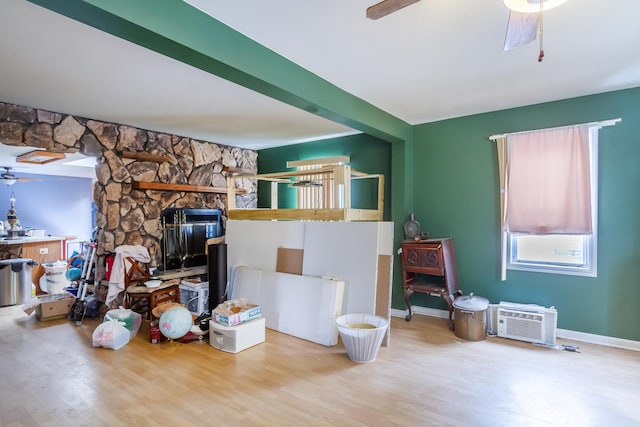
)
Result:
{"points": [[521, 29], [386, 7], [27, 179]]}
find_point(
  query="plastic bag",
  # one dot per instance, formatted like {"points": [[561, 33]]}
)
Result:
{"points": [[127, 317], [111, 334]]}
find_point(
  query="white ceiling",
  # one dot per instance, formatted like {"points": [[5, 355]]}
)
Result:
{"points": [[433, 60]]}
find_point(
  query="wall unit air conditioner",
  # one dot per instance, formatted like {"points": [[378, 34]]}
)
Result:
{"points": [[524, 322]]}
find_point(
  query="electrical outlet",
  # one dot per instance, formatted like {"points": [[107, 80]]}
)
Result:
{"points": [[44, 251]]}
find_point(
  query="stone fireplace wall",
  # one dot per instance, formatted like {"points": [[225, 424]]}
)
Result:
{"points": [[127, 216]]}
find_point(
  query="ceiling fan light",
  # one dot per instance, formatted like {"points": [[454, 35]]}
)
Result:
{"points": [[532, 6], [8, 181], [40, 157]]}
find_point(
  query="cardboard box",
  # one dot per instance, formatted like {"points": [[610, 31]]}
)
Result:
{"points": [[252, 312], [54, 306], [234, 339]]}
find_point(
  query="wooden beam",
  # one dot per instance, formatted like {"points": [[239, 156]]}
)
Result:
{"points": [[239, 171], [386, 7], [296, 214], [274, 195], [288, 214], [325, 170], [182, 187], [326, 161], [231, 193], [144, 156]]}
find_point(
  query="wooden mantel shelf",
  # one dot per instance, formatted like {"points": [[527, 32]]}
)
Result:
{"points": [[235, 170], [182, 187], [145, 156]]}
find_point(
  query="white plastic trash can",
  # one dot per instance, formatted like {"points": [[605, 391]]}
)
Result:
{"points": [[362, 335], [55, 274]]}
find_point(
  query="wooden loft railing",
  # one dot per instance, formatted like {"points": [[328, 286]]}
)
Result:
{"points": [[340, 176]]}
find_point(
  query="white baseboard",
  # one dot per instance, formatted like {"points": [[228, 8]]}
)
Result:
{"points": [[425, 311], [561, 333], [599, 339]]}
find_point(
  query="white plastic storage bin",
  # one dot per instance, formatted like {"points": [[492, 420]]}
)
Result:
{"points": [[234, 339], [195, 296], [55, 274]]}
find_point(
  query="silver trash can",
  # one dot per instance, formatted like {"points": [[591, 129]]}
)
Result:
{"points": [[15, 281]]}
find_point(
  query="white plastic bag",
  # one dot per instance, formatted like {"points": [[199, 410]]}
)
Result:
{"points": [[111, 334]]}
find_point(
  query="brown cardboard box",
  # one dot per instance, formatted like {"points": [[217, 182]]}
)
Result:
{"points": [[251, 312], [289, 261], [54, 306]]}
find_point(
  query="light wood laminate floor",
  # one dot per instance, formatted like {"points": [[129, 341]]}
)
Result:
{"points": [[50, 375]]}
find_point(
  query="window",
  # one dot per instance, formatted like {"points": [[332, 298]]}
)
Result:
{"points": [[562, 254], [573, 254], [548, 199]]}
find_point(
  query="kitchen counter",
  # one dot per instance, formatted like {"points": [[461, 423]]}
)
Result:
{"points": [[41, 249], [26, 239]]}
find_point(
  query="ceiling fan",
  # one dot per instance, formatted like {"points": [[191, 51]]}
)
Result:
{"points": [[525, 18], [8, 178], [386, 7]]}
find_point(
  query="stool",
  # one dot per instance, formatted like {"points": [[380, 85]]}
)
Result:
{"points": [[143, 300]]}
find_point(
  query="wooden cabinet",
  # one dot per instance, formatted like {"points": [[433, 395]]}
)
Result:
{"points": [[43, 251], [429, 267]]}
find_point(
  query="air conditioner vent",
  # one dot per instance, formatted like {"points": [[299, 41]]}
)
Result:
{"points": [[523, 322]]}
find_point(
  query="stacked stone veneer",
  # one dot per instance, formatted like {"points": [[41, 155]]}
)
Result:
{"points": [[127, 216]]}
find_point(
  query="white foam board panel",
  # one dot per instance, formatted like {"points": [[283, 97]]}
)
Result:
{"points": [[304, 307], [255, 243], [348, 250]]}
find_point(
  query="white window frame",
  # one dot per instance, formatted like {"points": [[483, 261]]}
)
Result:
{"points": [[590, 267]]}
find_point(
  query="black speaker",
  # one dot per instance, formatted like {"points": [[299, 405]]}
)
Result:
{"points": [[217, 269]]}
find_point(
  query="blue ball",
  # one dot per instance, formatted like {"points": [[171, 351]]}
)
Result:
{"points": [[73, 274]]}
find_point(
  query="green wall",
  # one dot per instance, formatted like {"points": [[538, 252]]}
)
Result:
{"points": [[445, 171], [456, 195], [368, 154], [452, 188]]}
